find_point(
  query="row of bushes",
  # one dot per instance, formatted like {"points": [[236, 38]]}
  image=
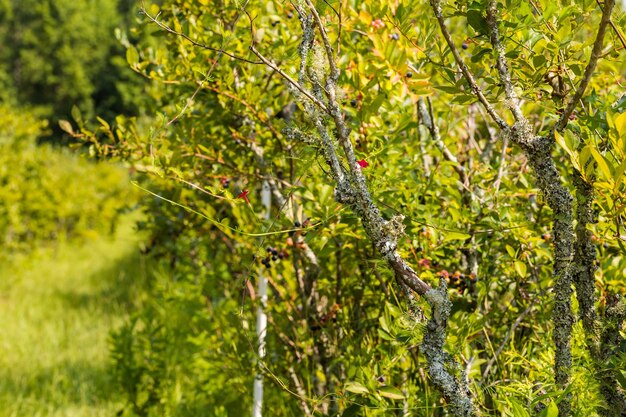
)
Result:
{"points": [[47, 193]]}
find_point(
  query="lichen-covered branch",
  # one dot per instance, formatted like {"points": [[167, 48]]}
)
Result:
{"points": [[596, 52], [286, 76], [512, 101], [585, 262], [602, 336], [538, 150], [610, 340], [444, 372]]}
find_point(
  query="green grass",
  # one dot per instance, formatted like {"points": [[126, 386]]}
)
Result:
{"points": [[56, 311]]}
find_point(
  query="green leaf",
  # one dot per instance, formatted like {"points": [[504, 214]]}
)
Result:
{"points": [[520, 268], [351, 411], [518, 410], [567, 146], [550, 411], [620, 124], [76, 115], [602, 164], [391, 392], [132, 56], [510, 250], [103, 123], [455, 236], [621, 378], [66, 126], [355, 387], [477, 21]]}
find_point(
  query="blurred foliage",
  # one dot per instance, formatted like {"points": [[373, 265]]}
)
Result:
{"points": [[353, 348], [48, 194], [64, 53]]}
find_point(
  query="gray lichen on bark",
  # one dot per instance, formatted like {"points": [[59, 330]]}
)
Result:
{"points": [[538, 150], [610, 341], [585, 262], [444, 372]]}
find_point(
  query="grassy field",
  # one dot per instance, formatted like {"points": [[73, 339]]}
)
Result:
{"points": [[56, 311]]}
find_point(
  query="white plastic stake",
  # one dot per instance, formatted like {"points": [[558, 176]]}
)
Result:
{"points": [[261, 317]]}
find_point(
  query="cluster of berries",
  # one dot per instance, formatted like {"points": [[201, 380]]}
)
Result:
{"points": [[273, 254]]}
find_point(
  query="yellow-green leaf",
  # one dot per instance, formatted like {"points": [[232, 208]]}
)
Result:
{"points": [[391, 392], [66, 126], [602, 163], [510, 251], [520, 268], [455, 236], [355, 387], [132, 56]]}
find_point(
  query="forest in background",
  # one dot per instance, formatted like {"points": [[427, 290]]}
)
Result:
{"points": [[390, 140]]}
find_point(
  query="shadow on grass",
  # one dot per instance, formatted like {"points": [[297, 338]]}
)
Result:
{"points": [[69, 382], [120, 286]]}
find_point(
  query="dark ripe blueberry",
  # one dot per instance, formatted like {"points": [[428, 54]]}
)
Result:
{"points": [[464, 45], [409, 74], [268, 249], [292, 233], [289, 15], [268, 266], [421, 199], [353, 103], [435, 264], [605, 245], [274, 258], [297, 224], [381, 379], [275, 22], [281, 256], [395, 36], [419, 249], [274, 252]]}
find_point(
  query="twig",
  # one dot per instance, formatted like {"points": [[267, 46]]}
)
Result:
{"points": [[436, 6], [426, 115], [288, 78], [591, 66], [262, 117], [166, 28], [512, 101], [496, 184], [334, 70], [615, 28]]}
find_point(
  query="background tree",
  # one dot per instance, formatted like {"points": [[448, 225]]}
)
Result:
{"points": [[65, 54]]}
